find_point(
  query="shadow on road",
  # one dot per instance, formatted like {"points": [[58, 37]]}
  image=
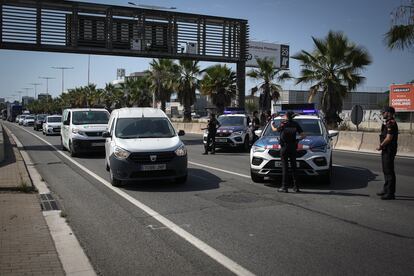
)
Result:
{"points": [[198, 180]]}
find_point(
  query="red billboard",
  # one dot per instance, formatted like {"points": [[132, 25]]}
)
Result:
{"points": [[402, 97]]}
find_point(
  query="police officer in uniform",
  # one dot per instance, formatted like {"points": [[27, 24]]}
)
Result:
{"points": [[212, 126], [255, 125], [288, 142], [388, 147]]}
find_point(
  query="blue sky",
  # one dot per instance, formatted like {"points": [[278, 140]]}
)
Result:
{"points": [[290, 21]]}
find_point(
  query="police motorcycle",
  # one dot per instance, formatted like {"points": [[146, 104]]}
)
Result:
{"points": [[235, 130], [314, 152]]}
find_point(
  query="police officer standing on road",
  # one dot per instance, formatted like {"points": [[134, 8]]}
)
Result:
{"points": [[388, 147], [255, 124], [212, 126], [288, 142]]}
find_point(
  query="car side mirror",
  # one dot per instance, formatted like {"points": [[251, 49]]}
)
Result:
{"points": [[106, 134], [181, 132], [332, 133], [258, 132]]}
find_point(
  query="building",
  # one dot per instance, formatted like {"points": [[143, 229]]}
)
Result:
{"points": [[368, 100], [27, 100], [131, 76]]}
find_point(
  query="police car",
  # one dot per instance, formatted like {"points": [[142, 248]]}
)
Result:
{"points": [[314, 152], [234, 131]]}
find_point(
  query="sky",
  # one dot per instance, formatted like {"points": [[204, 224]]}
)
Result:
{"points": [[292, 22]]}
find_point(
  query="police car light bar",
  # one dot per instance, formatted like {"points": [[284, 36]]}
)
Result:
{"points": [[234, 110], [305, 108]]}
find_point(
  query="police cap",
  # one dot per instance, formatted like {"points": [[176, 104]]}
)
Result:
{"points": [[389, 109]]}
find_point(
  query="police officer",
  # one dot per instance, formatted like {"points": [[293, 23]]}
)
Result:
{"points": [[388, 147], [288, 142], [255, 124], [212, 126]]}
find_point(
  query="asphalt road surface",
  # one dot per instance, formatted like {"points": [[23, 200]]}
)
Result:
{"points": [[341, 229]]}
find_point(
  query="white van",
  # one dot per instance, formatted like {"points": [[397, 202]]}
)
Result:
{"points": [[141, 143], [82, 129]]}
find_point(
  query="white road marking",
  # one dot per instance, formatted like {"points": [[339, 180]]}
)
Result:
{"points": [[220, 170], [196, 242]]}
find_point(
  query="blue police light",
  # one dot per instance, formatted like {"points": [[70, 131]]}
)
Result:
{"points": [[234, 110]]}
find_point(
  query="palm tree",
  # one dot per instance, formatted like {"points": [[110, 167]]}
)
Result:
{"points": [[333, 67], [113, 96], [139, 92], [401, 34], [268, 77], [162, 75], [187, 85], [219, 82]]}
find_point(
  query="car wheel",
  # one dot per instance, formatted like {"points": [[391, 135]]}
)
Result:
{"points": [[114, 181], [72, 151], [256, 178], [181, 180]]}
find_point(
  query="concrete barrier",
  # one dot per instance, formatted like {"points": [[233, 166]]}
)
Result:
{"points": [[349, 140], [370, 142], [1, 144], [405, 144]]}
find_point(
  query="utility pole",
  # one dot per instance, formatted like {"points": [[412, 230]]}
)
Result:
{"points": [[47, 85], [63, 75], [35, 88], [27, 91], [89, 68]]}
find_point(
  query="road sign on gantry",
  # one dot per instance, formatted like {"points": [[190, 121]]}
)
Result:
{"points": [[402, 97]]}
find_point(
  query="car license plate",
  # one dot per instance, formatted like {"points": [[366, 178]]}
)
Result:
{"points": [[156, 167], [278, 164], [221, 140], [98, 144]]}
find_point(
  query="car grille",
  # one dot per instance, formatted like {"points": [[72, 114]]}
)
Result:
{"points": [[303, 165], [93, 133], [152, 174], [276, 153], [162, 157], [223, 134], [56, 129]]}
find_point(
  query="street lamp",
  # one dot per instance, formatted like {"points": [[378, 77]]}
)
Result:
{"points": [[47, 84], [63, 75], [35, 88]]}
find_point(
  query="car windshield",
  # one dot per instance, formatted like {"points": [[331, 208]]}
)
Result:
{"points": [[30, 117], [311, 127], [54, 119], [90, 117], [130, 128], [40, 117], [231, 120], [22, 117]]}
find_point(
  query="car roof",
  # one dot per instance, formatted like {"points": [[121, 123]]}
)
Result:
{"points": [[134, 112], [234, 115], [301, 117], [87, 109]]}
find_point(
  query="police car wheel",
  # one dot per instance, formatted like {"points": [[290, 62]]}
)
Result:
{"points": [[256, 178]]}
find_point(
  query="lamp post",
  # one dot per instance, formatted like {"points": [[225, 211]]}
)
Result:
{"points": [[63, 75], [35, 88], [47, 85]]}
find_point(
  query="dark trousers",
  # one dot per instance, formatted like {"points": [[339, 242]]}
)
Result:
{"points": [[288, 154], [211, 142], [387, 157]]}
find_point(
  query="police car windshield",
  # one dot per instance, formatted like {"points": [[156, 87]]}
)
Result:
{"points": [[231, 120], [311, 127]]}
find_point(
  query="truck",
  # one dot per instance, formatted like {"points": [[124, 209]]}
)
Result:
{"points": [[12, 111]]}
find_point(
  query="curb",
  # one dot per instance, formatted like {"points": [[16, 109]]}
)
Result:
{"points": [[73, 258]]}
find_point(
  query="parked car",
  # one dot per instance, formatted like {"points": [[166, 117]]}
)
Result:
{"points": [[38, 123], [82, 129], [141, 143], [21, 119], [52, 125], [29, 120]]}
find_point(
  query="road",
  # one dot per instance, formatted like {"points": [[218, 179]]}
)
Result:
{"points": [[341, 229]]}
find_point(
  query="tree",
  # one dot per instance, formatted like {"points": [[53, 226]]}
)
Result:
{"points": [[219, 82], [113, 96], [187, 84], [268, 77], [333, 67], [162, 75], [139, 92], [401, 34]]}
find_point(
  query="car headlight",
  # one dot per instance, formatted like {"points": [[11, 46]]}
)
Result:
{"points": [[181, 151], [77, 131], [258, 149], [322, 148], [120, 153], [238, 133]]}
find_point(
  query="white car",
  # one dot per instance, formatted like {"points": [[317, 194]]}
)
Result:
{"points": [[52, 125], [21, 119], [142, 144], [82, 129], [314, 152], [29, 120], [233, 132]]}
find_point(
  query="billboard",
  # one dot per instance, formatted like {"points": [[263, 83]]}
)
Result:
{"points": [[402, 97], [279, 53]]}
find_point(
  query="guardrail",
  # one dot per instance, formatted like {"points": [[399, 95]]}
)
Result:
{"points": [[346, 140]]}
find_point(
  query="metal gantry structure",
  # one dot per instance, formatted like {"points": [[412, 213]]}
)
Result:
{"points": [[88, 28]]}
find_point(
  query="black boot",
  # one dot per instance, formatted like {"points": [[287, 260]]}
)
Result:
{"points": [[295, 186]]}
